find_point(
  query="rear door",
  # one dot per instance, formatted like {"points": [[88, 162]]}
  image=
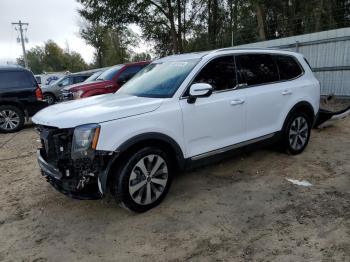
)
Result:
{"points": [[216, 121], [263, 93]]}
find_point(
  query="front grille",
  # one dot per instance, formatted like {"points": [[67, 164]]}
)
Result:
{"points": [[66, 95], [56, 143]]}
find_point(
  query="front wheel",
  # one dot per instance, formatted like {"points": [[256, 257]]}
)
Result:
{"points": [[297, 133], [49, 98], [143, 181]]}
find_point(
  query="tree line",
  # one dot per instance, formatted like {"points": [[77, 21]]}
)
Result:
{"points": [[177, 26]]}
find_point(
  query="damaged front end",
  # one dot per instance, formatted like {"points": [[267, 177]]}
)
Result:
{"points": [[70, 162]]}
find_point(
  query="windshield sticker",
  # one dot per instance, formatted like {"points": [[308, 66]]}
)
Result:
{"points": [[179, 64]]}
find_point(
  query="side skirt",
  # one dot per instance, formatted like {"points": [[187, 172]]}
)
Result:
{"points": [[233, 150]]}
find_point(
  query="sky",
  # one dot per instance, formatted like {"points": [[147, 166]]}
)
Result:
{"points": [[57, 20]]}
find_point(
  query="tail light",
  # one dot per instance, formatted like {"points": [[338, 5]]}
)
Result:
{"points": [[38, 94]]}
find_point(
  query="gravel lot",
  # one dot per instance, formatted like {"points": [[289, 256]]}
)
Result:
{"points": [[242, 209]]}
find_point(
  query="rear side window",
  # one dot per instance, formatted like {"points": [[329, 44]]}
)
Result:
{"points": [[287, 66], [79, 79], [129, 72], [256, 69], [16, 79]]}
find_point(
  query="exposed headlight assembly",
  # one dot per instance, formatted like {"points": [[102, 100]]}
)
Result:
{"points": [[84, 142]]}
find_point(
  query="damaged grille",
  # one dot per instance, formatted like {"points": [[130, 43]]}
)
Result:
{"points": [[77, 174], [57, 143]]}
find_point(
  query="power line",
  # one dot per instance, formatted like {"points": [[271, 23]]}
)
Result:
{"points": [[22, 27]]}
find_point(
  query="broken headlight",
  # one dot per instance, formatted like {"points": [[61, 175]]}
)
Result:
{"points": [[84, 142]]}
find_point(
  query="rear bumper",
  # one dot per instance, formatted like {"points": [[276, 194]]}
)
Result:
{"points": [[62, 184], [34, 107]]}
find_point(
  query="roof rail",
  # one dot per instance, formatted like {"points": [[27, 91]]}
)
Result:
{"points": [[244, 48]]}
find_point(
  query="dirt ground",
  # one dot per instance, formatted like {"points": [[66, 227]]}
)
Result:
{"points": [[242, 209]]}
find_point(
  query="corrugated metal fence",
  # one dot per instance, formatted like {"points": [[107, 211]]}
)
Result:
{"points": [[328, 52]]}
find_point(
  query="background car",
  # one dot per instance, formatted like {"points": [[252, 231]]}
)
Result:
{"points": [[20, 97], [95, 75], [108, 82], [49, 78], [52, 92]]}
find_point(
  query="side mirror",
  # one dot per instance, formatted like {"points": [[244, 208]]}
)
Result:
{"points": [[199, 90], [60, 84]]}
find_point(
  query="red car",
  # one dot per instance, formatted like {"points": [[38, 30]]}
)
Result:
{"points": [[108, 82]]}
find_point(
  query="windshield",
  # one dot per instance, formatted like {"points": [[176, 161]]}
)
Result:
{"points": [[159, 79], [93, 77], [109, 73]]}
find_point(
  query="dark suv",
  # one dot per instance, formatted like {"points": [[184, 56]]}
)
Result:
{"points": [[20, 97]]}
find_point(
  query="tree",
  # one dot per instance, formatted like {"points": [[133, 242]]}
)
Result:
{"points": [[51, 58], [112, 44], [176, 26]]}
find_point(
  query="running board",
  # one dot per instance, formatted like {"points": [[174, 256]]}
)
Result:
{"points": [[235, 146]]}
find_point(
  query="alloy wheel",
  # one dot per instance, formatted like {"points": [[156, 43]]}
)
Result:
{"points": [[9, 120], [148, 179], [49, 99], [298, 133]]}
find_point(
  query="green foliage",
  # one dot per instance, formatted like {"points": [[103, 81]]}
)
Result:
{"points": [[176, 26], [112, 44], [52, 58]]}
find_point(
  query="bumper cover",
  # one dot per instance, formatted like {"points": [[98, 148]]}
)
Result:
{"points": [[55, 178]]}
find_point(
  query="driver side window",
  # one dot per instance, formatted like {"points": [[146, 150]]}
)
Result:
{"points": [[65, 82], [220, 73]]}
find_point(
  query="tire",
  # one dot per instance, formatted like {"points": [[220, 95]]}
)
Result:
{"points": [[296, 134], [49, 98], [138, 185], [11, 119]]}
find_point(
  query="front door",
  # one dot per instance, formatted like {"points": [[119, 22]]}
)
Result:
{"points": [[216, 121]]}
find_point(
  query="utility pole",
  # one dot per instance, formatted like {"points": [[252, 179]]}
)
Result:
{"points": [[20, 28]]}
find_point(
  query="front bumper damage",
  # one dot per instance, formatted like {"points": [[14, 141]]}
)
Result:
{"points": [[84, 178]]}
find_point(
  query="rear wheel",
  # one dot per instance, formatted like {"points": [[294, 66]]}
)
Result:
{"points": [[144, 180], [297, 133], [11, 119]]}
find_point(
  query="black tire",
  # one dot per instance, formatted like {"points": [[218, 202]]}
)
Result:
{"points": [[17, 119], [295, 137], [49, 98], [121, 181]]}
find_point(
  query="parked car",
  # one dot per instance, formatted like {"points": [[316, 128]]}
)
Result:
{"points": [[179, 112], [20, 98], [52, 92], [108, 82], [49, 78]]}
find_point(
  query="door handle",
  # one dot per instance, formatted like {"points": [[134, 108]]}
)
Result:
{"points": [[237, 102], [287, 92], [109, 86]]}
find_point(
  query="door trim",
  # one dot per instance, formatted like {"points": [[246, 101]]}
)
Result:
{"points": [[235, 146]]}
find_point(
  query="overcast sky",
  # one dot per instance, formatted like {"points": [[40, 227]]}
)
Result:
{"points": [[48, 19]]}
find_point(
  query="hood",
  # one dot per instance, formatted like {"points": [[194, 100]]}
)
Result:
{"points": [[95, 109], [87, 85]]}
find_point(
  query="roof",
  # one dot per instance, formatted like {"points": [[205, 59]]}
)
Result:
{"points": [[11, 68]]}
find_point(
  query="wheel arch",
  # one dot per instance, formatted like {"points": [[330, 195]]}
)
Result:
{"points": [[16, 104], [302, 106], [163, 141], [50, 93]]}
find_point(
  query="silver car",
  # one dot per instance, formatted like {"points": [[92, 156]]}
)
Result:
{"points": [[52, 92]]}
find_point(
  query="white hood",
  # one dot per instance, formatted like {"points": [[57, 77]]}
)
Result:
{"points": [[96, 109]]}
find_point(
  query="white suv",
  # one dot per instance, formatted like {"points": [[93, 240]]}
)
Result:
{"points": [[178, 112]]}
